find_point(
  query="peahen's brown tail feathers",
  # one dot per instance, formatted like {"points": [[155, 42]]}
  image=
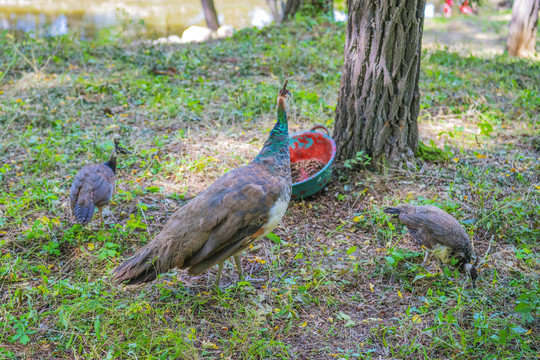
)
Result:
{"points": [[143, 267], [83, 212]]}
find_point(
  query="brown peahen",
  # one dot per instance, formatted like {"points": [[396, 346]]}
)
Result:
{"points": [[440, 233], [239, 208], [93, 186]]}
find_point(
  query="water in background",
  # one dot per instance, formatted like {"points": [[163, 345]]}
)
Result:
{"points": [[160, 17]]}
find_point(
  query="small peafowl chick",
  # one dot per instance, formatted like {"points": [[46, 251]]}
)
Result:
{"points": [[239, 208], [440, 233], [94, 186]]}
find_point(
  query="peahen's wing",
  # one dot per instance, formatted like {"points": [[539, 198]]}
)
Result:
{"points": [[434, 226], [241, 215], [425, 222], [221, 221], [102, 180]]}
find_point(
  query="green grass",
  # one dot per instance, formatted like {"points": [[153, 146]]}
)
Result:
{"points": [[339, 279]]}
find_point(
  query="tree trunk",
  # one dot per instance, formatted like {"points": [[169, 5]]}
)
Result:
{"points": [[379, 100], [310, 7], [210, 14], [522, 32], [274, 10]]}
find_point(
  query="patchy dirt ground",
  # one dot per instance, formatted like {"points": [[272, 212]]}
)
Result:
{"points": [[338, 279]]}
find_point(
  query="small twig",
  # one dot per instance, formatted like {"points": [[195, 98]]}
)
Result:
{"points": [[69, 262], [286, 272], [7, 68], [145, 219], [28, 61], [487, 251], [8, 125], [493, 212]]}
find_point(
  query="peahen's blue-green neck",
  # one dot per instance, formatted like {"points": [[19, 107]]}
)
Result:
{"points": [[277, 145]]}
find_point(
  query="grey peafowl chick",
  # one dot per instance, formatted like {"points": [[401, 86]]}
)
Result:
{"points": [[440, 233], [93, 186], [239, 208]]}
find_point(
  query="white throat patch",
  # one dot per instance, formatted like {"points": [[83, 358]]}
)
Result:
{"points": [[276, 213]]}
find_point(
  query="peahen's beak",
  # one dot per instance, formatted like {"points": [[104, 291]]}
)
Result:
{"points": [[122, 150]]}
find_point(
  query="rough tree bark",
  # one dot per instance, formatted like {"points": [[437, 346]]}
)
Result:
{"points": [[522, 32], [210, 14], [312, 7], [379, 100]]}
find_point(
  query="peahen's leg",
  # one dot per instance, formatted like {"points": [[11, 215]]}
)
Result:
{"points": [[466, 281], [426, 254], [238, 267], [218, 277], [100, 209]]}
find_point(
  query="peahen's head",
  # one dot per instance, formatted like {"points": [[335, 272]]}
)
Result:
{"points": [[470, 269], [118, 149], [283, 95]]}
